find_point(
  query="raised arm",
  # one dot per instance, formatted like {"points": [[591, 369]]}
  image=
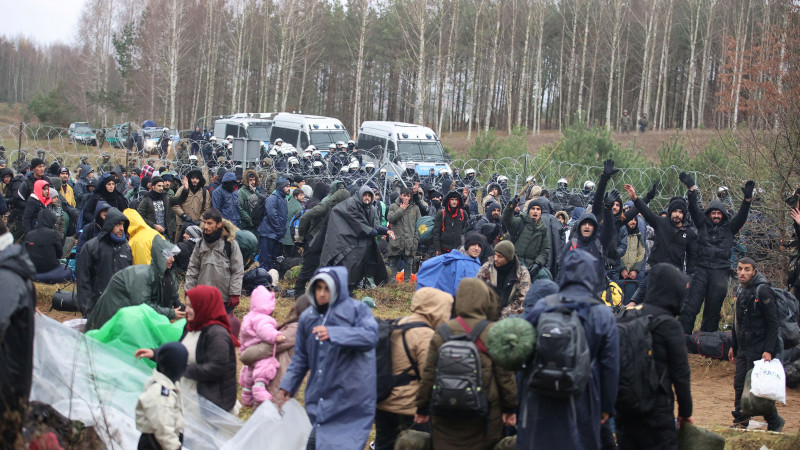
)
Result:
{"points": [[744, 209]]}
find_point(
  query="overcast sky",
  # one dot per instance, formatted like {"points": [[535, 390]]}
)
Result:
{"points": [[43, 21]]}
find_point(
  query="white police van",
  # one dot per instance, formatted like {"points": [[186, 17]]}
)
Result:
{"points": [[301, 130], [392, 145], [249, 126]]}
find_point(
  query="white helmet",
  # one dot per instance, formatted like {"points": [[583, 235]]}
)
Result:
{"points": [[278, 141], [331, 146], [286, 151], [344, 169], [193, 158], [369, 165], [273, 152], [562, 181], [229, 137], [316, 153], [317, 164], [351, 142], [307, 155], [444, 170], [166, 129], [722, 189], [529, 179], [354, 165], [338, 143], [502, 179], [383, 171], [469, 172], [411, 165], [589, 185], [293, 161], [229, 145], [213, 139], [311, 149]]}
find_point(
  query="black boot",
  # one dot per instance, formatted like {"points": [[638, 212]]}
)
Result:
{"points": [[740, 420]]}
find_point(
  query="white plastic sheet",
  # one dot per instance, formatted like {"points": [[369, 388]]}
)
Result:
{"points": [[268, 428], [769, 380], [94, 383]]}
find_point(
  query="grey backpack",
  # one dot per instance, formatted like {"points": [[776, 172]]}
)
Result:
{"points": [[458, 385], [562, 363]]}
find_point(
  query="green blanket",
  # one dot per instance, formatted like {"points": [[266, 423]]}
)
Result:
{"points": [[138, 327]]}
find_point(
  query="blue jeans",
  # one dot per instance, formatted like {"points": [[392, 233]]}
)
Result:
{"points": [[269, 250]]}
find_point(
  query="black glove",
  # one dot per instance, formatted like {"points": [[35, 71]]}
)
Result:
{"points": [[686, 179], [535, 269], [611, 197], [186, 218], [608, 168], [748, 189], [651, 194], [514, 202]]}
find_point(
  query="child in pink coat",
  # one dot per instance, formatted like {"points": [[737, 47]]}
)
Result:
{"points": [[259, 326]]}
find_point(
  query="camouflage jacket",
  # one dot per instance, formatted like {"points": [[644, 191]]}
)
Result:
{"points": [[516, 298]]}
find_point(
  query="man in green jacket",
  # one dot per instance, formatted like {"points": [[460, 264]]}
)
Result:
{"points": [[530, 237], [403, 216], [251, 187]]}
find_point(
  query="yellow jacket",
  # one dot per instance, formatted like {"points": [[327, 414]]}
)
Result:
{"points": [[141, 237], [68, 194], [159, 411]]}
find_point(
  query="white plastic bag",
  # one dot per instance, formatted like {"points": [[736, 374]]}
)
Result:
{"points": [[769, 380]]}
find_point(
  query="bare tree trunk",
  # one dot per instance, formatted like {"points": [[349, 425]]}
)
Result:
{"points": [[617, 25], [525, 57], [537, 81], [571, 70], [472, 88], [694, 25], [582, 75], [741, 39], [447, 77], [590, 101], [706, 64], [492, 72], [176, 16], [364, 4], [644, 87]]}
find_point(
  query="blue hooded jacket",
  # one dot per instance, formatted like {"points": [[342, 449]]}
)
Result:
{"points": [[227, 202], [273, 225], [445, 272], [574, 422], [341, 393]]}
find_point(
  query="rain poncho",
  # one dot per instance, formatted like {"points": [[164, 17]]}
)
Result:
{"points": [[342, 386], [136, 327], [444, 272], [141, 237], [138, 284]]}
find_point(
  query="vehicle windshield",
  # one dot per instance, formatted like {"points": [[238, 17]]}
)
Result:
{"points": [[83, 129], [258, 132], [421, 150], [321, 139]]}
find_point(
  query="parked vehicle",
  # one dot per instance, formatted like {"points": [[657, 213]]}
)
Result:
{"points": [[393, 144], [250, 126], [300, 131], [81, 133]]}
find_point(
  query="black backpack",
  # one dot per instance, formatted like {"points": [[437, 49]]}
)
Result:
{"points": [[638, 377], [458, 387], [562, 363], [383, 357], [258, 208], [788, 315]]}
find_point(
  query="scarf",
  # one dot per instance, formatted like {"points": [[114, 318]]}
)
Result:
{"points": [[156, 196], [115, 239], [211, 238], [208, 309]]}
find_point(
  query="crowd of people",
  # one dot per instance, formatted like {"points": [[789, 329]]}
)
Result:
{"points": [[129, 237]]}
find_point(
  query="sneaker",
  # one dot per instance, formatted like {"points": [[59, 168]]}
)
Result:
{"points": [[740, 421], [776, 425]]}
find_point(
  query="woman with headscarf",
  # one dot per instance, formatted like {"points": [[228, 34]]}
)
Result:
{"points": [[211, 370], [37, 201], [106, 191]]}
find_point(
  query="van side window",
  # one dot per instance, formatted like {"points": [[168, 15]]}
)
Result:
{"points": [[303, 140], [232, 129], [288, 135]]}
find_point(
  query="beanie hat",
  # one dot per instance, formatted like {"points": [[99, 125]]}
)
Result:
{"points": [[505, 248], [171, 359], [156, 179], [35, 162], [474, 237], [677, 203], [194, 232]]}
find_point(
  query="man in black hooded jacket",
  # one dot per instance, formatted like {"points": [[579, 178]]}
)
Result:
{"points": [[755, 335], [663, 302], [45, 249], [675, 241], [102, 257], [716, 232]]}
